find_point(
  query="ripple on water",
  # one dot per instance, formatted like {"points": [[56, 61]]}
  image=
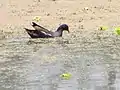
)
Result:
{"points": [[36, 64]]}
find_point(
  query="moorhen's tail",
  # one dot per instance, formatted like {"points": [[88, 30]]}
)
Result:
{"points": [[32, 33]]}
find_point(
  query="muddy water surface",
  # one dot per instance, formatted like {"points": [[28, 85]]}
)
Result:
{"points": [[36, 64]]}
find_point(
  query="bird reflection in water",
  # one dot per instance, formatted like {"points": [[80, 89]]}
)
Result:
{"points": [[111, 80]]}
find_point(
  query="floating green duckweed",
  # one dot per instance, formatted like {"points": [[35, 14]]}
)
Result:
{"points": [[66, 76], [103, 28], [36, 18], [117, 30]]}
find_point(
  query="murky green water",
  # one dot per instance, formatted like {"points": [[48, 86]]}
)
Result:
{"points": [[92, 59]]}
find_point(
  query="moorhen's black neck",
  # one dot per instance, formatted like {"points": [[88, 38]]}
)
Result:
{"points": [[63, 27], [60, 29]]}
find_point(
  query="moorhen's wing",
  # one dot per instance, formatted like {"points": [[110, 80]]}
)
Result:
{"points": [[38, 34], [40, 28]]}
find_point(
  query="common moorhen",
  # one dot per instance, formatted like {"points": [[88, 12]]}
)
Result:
{"points": [[41, 32]]}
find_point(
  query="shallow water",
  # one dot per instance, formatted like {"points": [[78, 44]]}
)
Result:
{"points": [[36, 64]]}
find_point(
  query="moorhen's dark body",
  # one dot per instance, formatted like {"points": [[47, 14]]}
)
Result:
{"points": [[41, 32]]}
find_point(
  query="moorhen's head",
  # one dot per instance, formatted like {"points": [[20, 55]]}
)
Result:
{"points": [[63, 27]]}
